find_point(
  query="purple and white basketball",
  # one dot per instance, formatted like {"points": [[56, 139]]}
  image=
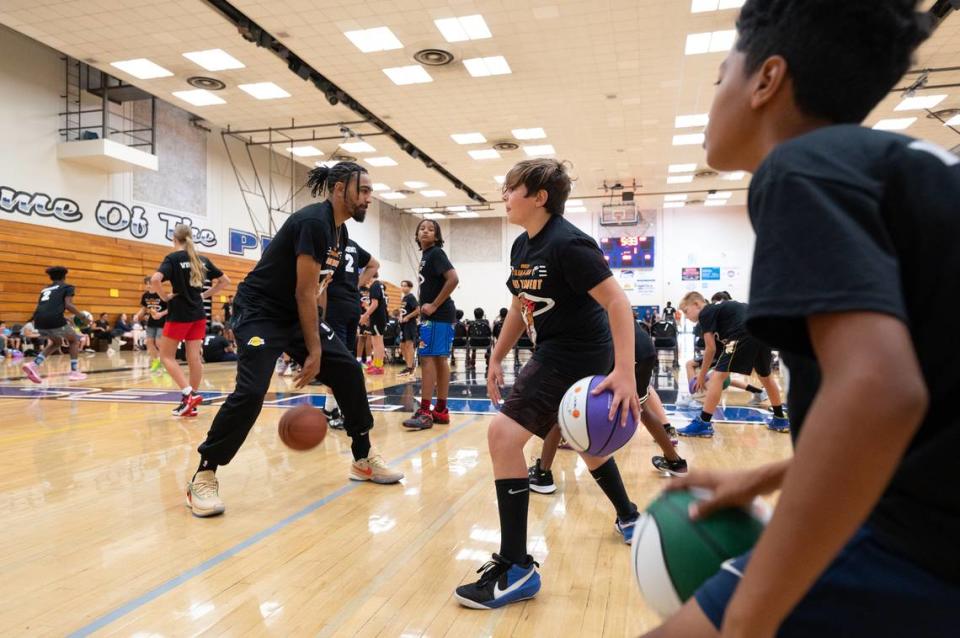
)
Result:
{"points": [[583, 420]]}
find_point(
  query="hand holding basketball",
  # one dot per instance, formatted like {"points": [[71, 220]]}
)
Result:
{"points": [[623, 385], [727, 489]]}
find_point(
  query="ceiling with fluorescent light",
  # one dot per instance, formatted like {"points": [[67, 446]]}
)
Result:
{"points": [[605, 80]]}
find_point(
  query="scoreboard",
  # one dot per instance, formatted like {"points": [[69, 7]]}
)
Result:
{"points": [[629, 251]]}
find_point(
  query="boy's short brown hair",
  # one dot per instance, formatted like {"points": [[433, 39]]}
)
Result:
{"points": [[692, 297], [542, 174]]}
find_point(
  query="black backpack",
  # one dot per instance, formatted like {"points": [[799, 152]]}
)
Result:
{"points": [[479, 329]]}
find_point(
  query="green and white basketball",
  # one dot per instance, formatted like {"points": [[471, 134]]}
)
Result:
{"points": [[673, 555]]}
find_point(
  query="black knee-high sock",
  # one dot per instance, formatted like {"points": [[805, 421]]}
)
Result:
{"points": [[609, 480], [513, 500], [754, 389], [360, 446]]}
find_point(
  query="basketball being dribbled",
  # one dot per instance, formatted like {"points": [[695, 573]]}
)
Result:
{"points": [[302, 428], [583, 419]]}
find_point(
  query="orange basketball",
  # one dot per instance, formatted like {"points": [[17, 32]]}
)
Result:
{"points": [[302, 428]]}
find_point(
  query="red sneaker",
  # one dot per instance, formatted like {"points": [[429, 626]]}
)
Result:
{"points": [[441, 417], [374, 371]]}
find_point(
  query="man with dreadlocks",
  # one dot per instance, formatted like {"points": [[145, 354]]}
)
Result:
{"points": [[275, 311]]}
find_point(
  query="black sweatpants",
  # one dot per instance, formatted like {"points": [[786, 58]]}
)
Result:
{"points": [[344, 319], [261, 342]]}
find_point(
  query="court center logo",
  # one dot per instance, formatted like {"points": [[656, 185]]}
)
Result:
{"points": [[256, 342]]}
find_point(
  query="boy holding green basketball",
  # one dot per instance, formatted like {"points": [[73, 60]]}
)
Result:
{"points": [[855, 229]]}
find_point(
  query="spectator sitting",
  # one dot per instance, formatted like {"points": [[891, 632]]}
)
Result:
{"points": [[459, 335], [100, 329], [32, 341], [121, 328], [216, 348], [478, 335], [498, 323], [14, 341]]}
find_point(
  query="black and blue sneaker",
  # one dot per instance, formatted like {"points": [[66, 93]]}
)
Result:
{"points": [[698, 427], [625, 528], [779, 424], [501, 583]]}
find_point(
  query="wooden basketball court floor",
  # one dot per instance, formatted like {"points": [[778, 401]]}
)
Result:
{"points": [[95, 538]]}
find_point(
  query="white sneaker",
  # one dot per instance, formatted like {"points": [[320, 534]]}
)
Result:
{"points": [[290, 371], [76, 375], [110, 352], [373, 468], [757, 399], [203, 495], [687, 402]]}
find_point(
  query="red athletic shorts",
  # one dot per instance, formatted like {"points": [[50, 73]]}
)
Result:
{"points": [[185, 330]]}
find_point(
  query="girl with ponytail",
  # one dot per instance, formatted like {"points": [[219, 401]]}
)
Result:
{"points": [[186, 271]]}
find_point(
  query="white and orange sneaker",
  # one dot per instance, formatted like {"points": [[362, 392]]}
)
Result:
{"points": [[373, 468], [203, 495], [32, 372]]}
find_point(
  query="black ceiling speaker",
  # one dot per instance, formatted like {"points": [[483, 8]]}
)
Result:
{"points": [[433, 57], [210, 84]]}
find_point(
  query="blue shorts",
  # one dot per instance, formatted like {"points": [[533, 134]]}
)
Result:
{"points": [[867, 591], [436, 339]]}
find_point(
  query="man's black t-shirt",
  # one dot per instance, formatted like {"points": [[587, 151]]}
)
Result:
{"points": [[186, 305], [433, 265], [344, 291], [670, 314], [409, 304], [727, 320], [51, 306], [269, 290], [214, 347], [551, 273], [852, 219], [379, 314], [152, 301]]}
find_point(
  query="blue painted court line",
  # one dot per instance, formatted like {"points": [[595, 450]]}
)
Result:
{"points": [[212, 562]]}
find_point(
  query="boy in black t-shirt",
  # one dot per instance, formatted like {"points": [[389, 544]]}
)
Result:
{"points": [[856, 232], [563, 293], [438, 314], [49, 321], [364, 331], [375, 318], [343, 311], [410, 310], [153, 314], [276, 311], [725, 323]]}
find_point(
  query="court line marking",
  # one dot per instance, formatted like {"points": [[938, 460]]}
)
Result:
{"points": [[172, 583]]}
